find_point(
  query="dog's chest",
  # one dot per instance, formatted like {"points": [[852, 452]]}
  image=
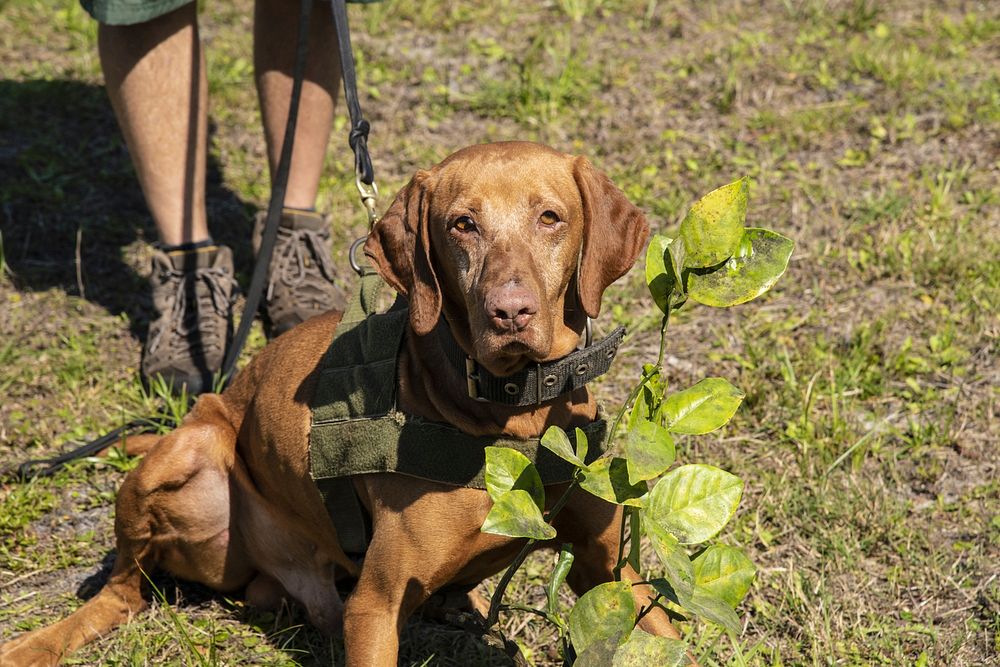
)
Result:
{"points": [[356, 427]]}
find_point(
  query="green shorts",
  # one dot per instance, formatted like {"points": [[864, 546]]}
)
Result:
{"points": [[127, 12]]}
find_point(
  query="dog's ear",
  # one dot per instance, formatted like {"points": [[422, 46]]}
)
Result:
{"points": [[614, 234], [399, 247]]}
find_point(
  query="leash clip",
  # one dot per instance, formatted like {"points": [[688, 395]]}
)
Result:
{"points": [[369, 195]]}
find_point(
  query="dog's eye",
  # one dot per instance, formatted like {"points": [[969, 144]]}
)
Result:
{"points": [[548, 218], [464, 224]]}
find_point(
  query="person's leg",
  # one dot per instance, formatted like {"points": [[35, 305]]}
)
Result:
{"points": [[155, 76], [301, 273], [275, 39]]}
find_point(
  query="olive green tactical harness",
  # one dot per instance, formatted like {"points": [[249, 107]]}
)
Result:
{"points": [[357, 428]]}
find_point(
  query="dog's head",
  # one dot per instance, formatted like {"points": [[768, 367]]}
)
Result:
{"points": [[514, 243]]}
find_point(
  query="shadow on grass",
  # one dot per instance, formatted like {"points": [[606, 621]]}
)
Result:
{"points": [[428, 636], [64, 171]]}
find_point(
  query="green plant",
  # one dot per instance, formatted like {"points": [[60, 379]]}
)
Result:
{"points": [[716, 261]]}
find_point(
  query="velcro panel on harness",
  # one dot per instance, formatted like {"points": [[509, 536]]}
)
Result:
{"points": [[429, 450]]}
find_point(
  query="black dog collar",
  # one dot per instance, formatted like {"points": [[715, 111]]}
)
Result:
{"points": [[535, 383]]}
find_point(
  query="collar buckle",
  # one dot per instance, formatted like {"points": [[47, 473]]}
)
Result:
{"points": [[472, 380]]}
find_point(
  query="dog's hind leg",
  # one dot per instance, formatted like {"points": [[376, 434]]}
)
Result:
{"points": [[172, 510], [114, 604], [119, 598]]}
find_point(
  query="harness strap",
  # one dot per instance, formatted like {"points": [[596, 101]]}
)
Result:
{"points": [[350, 519], [365, 300], [428, 450]]}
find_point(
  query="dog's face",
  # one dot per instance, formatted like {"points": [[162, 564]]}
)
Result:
{"points": [[514, 243]]}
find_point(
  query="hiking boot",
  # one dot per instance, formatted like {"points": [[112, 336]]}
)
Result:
{"points": [[193, 293], [301, 278]]}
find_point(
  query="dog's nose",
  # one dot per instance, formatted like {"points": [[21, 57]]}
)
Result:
{"points": [[511, 307]]}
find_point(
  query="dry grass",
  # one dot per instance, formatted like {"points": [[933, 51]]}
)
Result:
{"points": [[868, 438]]}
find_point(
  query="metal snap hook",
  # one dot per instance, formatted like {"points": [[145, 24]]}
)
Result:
{"points": [[351, 255]]}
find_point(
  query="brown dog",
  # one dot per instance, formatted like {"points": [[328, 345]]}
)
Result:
{"points": [[514, 245]]}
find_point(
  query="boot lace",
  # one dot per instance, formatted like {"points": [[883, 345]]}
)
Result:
{"points": [[289, 265], [183, 320]]}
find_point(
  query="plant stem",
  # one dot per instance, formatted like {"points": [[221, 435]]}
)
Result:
{"points": [[532, 610], [653, 604], [663, 337], [628, 401], [496, 601], [646, 377], [614, 427]]}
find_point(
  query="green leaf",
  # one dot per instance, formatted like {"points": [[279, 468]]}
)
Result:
{"points": [[645, 650], [508, 469], [700, 601], [559, 574], [640, 411], [556, 441], [608, 478], [660, 277], [724, 571], [678, 569], [745, 276], [647, 405], [515, 514], [712, 608], [712, 229], [678, 257], [706, 406], [695, 501], [582, 445], [649, 450], [600, 653], [666, 589], [602, 612]]}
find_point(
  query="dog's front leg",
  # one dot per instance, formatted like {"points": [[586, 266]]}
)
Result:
{"points": [[396, 578], [425, 534]]}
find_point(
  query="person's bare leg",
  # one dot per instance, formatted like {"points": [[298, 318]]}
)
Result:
{"points": [[275, 38], [155, 76]]}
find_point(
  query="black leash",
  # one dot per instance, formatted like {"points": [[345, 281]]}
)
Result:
{"points": [[358, 137], [25, 472], [365, 180], [278, 188]]}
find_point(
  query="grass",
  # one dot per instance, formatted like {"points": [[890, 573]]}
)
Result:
{"points": [[868, 435]]}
